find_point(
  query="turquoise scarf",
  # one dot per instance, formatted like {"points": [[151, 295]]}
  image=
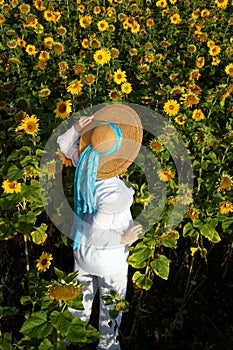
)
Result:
{"points": [[84, 182]]}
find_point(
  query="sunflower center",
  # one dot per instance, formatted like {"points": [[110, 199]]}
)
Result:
{"points": [[62, 108], [31, 126], [12, 185], [44, 262]]}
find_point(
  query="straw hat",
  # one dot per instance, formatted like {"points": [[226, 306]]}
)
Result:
{"points": [[103, 138]]}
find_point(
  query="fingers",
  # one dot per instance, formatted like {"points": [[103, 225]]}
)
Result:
{"points": [[83, 123]]}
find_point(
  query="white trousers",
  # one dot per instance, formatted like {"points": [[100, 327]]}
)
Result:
{"points": [[108, 327]]}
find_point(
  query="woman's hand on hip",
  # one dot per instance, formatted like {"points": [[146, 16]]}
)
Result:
{"points": [[131, 235]]}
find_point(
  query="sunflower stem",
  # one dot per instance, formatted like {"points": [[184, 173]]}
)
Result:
{"points": [[26, 253]]}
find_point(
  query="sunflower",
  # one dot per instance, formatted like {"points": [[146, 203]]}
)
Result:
{"points": [[225, 183], [119, 76], [221, 4], [190, 99], [198, 115], [12, 43], [229, 69], [38, 5], [97, 10], [24, 8], [194, 75], [225, 208], [115, 95], [102, 56], [2, 19], [133, 52], [63, 65], [81, 8], [11, 186], [44, 262], [63, 109], [49, 15], [29, 125], [102, 25], [45, 92], [57, 48], [161, 3], [89, 79], [61, 30], [175, 19], [191, 48], [165, 175], [31, 49], [181, 119], [214, 50], [64, 291], [126, 88], [150, 22], [79, 68], [155, 145], [48, 42], [75, 87], [85, 43], [67, 162], [114, 52], [200, 62], [2, 105], [21, 43], [85, 21], [215, 61], [135, 27], [171, 107], [44, 56]]}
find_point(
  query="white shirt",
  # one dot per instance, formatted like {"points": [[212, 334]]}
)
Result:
{"points": [[99, 251]]}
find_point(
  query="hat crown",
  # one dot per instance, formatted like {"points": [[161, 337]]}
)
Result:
{"points": [[103, 138]]}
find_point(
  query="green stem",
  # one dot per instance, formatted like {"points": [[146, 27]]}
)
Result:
{"points": [[26, 252]]}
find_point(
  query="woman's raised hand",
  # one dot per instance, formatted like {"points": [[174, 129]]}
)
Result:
{"points": [[83, 123]]}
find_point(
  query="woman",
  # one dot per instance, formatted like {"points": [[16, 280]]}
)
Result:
{"points": [[102, 147]]}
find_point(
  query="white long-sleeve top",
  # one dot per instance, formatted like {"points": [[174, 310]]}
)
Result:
{"points": [[99, 251]]}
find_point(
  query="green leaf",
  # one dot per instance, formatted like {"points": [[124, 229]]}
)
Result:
{"points": [[7, 311], [188, 230], [24, 223], [141, 280], [169, 239], [140, 255], [39, 236], [73, 329], [46, 345], [6, 342], [208, 231], [37, 326], [75, 303], [160, 266], [113, 313], [14, 173]]}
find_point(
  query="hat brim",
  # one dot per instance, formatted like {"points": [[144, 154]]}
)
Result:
{"points": [[130, 124]]}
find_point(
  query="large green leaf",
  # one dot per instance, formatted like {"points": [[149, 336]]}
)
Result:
{"points": [[14, 173], [39, 236], [160, 266], [208, 231], [141, 280], [37, 326], [140, 256], [24, 223], [72, 328]]}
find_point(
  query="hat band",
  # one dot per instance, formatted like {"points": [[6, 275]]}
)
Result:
{"points": [[118, 143]]}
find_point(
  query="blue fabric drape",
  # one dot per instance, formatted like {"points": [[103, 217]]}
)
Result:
{"points": [[84, 182]]}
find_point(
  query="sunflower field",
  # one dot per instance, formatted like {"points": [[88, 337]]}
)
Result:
{"points": [[171, 56]]}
